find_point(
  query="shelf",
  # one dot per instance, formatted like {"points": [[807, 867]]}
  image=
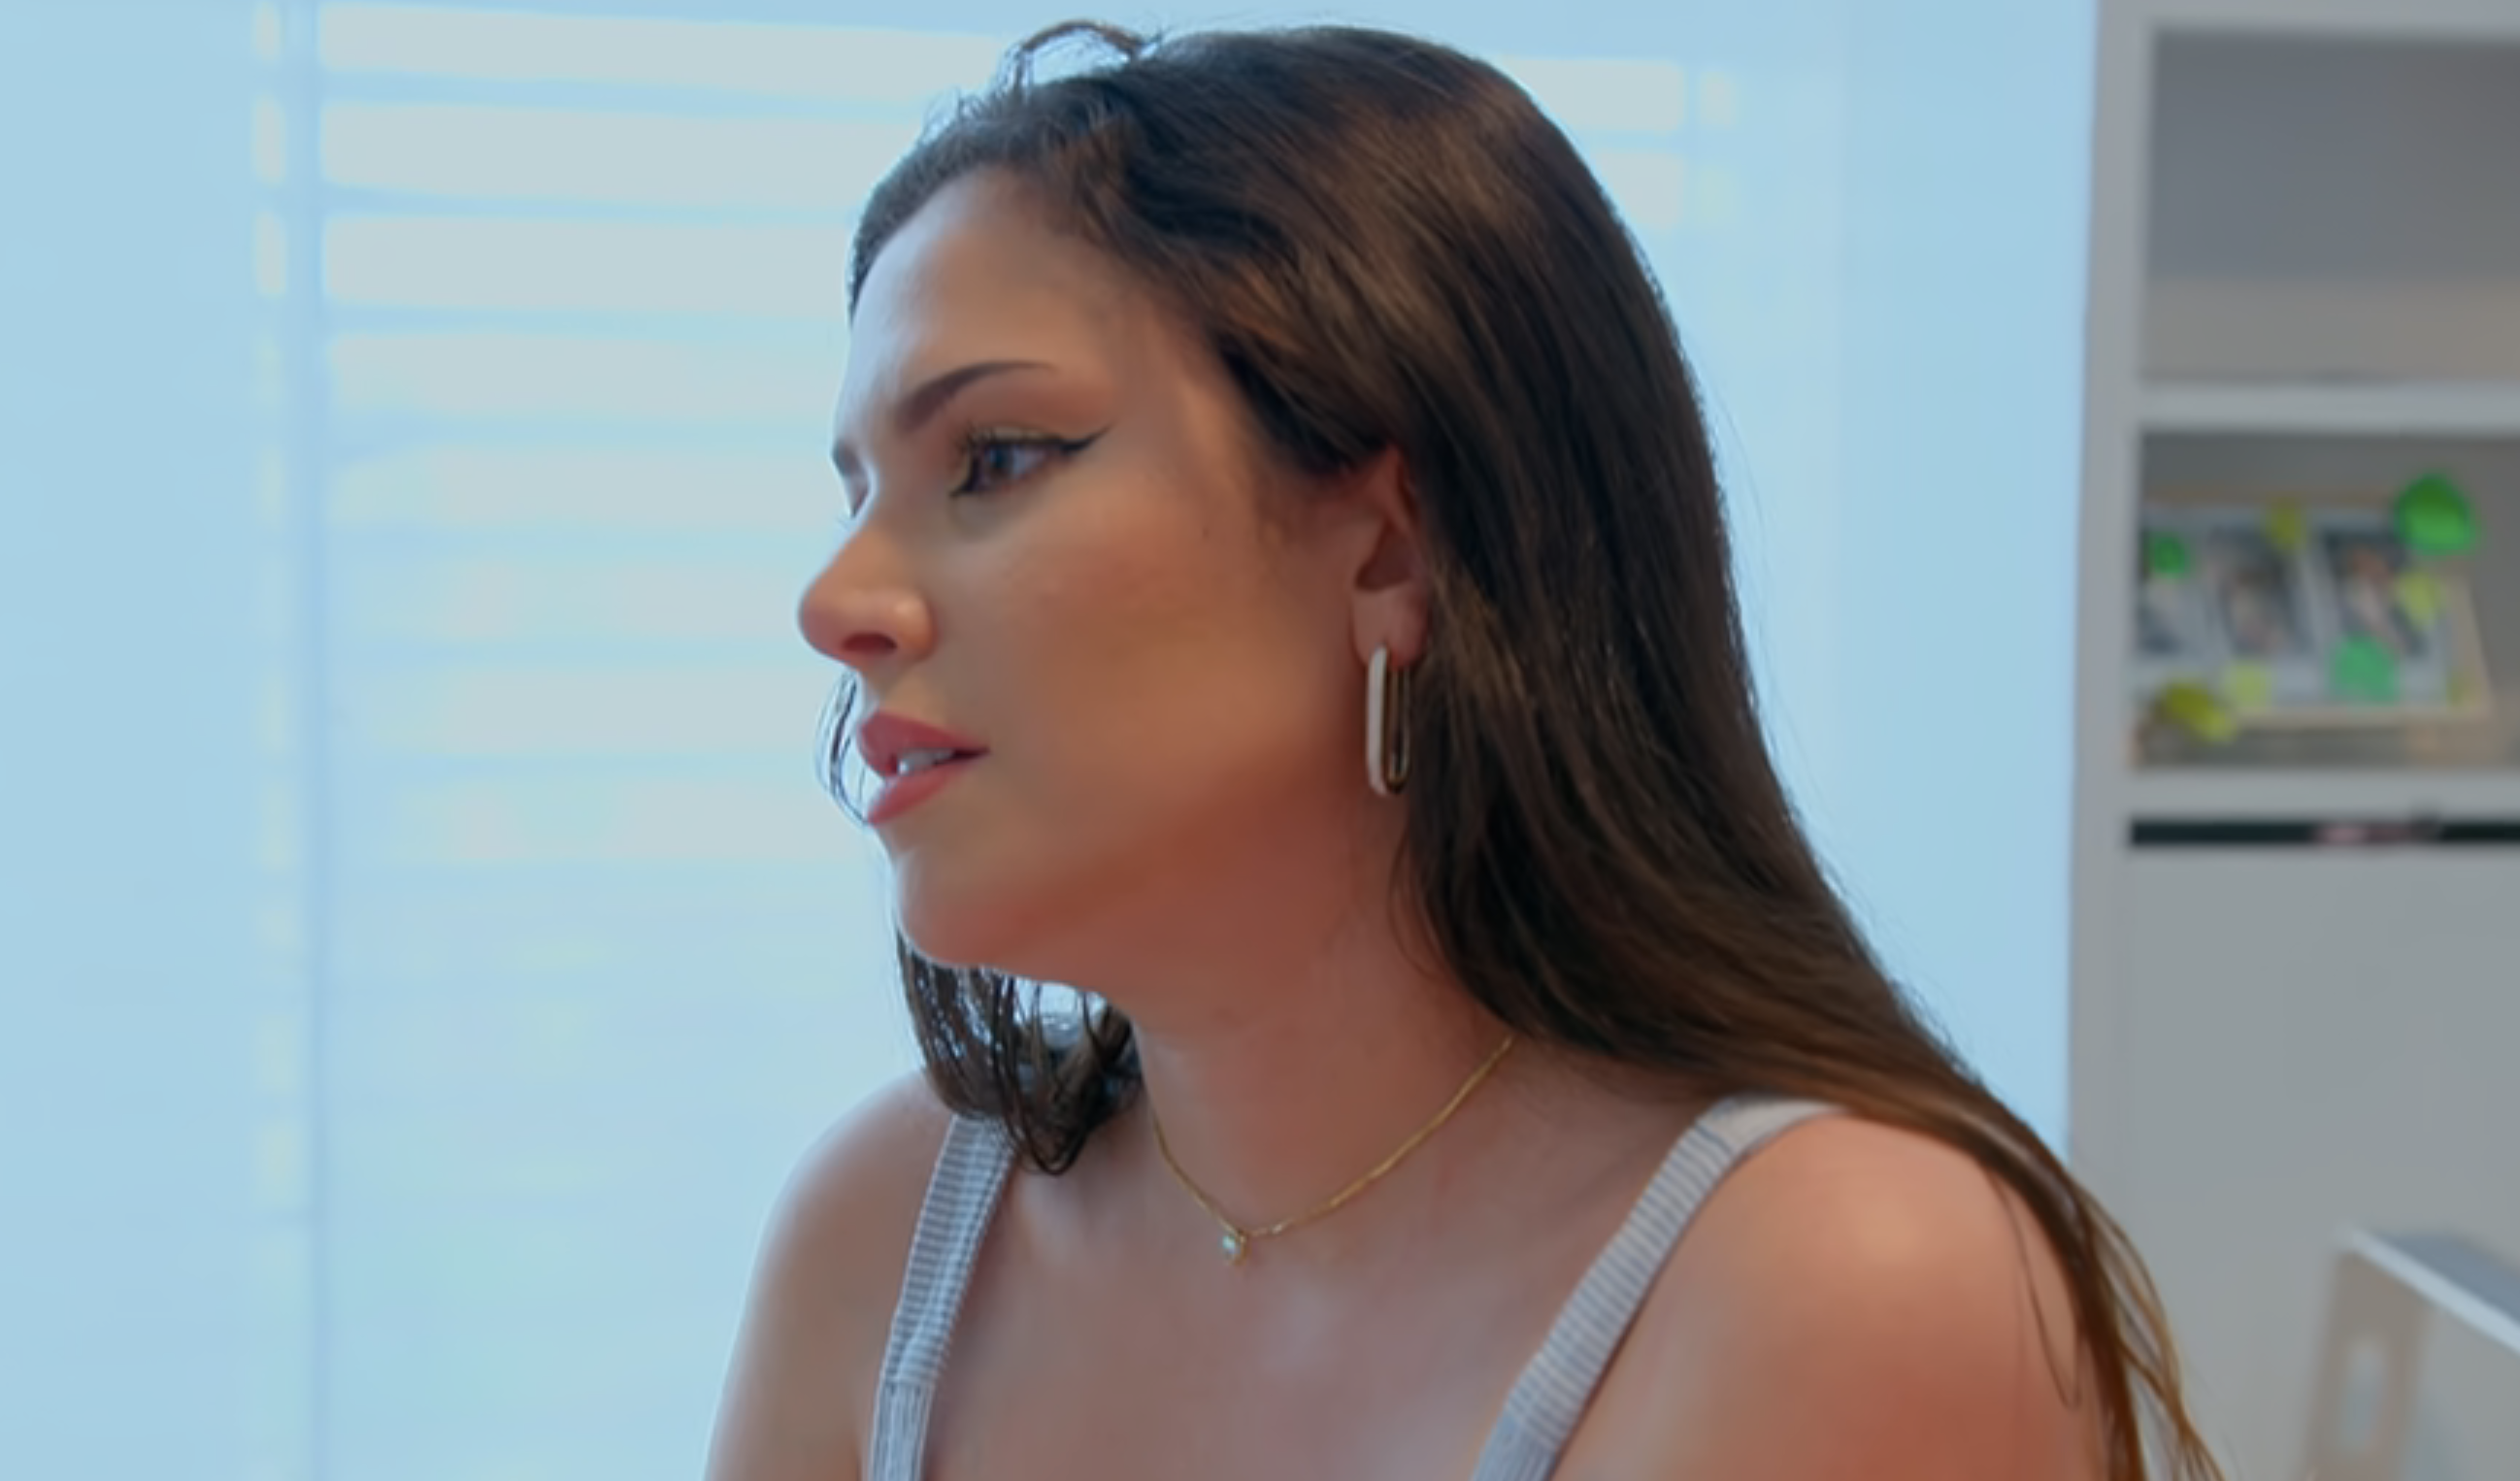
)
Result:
{"points": [[2366, 795], [2343, 19], [2489, 409], [2321, 213]]}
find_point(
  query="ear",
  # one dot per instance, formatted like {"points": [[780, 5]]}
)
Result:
{"points": [[1388, 593]]}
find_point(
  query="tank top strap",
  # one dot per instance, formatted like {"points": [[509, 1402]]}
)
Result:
{"points": [[962, 1195], [1554, 1389]]}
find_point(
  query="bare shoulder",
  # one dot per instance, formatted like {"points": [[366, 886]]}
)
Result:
{"points": [[1855, 1299], [802, 1381]]}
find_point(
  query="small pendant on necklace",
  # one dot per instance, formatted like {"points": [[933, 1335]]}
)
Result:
{"points": [[1234, 1243]]}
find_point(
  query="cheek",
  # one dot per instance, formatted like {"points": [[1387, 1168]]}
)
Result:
{"points": [[1170, 657], [1174, 706]]}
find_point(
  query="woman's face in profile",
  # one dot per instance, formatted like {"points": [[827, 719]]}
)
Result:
{"points": [[1066, 550]]}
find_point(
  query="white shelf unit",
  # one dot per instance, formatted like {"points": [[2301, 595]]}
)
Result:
{"points": [[2476, 408], [2346, 796], [2306, 281], [2305, 284]]}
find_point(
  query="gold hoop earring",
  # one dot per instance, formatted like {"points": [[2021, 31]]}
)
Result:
{"points": [[1386, 724]]}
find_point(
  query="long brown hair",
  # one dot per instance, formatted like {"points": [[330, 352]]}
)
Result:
{"points": [[1388, 246]]}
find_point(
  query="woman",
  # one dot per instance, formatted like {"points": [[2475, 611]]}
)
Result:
{"points": [[1287, 598]]}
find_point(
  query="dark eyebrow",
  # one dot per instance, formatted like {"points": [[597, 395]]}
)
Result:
{"points": [[921, 405]]}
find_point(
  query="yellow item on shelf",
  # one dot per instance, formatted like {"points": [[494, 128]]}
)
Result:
{"points": [[2197, 710], [2249, 687], [2419, 596], [2287, 526]]}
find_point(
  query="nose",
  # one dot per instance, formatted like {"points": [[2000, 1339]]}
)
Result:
{"points": [[862, 611]]}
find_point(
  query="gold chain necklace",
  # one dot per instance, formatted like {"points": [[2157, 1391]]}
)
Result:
{"points": [[1237, 1239]]}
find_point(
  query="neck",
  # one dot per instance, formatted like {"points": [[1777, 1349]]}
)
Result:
{"points": [[1279, 1085], [1295, 1027]]}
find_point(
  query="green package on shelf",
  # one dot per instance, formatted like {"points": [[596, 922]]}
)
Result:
{"points": [[2166, 555], [2363, 671], [2435, 518]]}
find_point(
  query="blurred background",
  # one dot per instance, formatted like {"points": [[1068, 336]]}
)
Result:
{"points": [[424, 946]]}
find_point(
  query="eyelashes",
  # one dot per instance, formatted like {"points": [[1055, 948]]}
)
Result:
{"points": [[990, 460], [994, 458]]}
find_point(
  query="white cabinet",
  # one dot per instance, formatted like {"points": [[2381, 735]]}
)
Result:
{"points": [[2305, 293], [2307, 1040]]}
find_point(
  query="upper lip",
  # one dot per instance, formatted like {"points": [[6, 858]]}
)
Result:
{"points": [[884, 739]]}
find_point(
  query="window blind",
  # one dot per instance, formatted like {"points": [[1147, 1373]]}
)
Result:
{"points": [[592, 961]]}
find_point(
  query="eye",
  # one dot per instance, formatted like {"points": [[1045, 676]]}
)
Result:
{"points": [[997, 460]]}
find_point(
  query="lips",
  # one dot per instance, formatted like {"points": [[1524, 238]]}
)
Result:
{"points": [[911, 759]]}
